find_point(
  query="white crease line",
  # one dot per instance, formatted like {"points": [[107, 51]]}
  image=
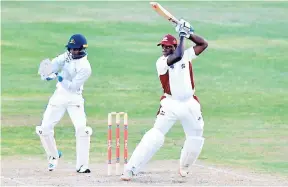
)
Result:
{"points": [[230, 173], [13, 179]]}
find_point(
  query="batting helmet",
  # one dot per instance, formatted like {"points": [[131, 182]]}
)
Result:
{"points": [[78, 41]]}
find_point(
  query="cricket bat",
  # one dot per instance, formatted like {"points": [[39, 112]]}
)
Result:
{"points": [[163, 12]]}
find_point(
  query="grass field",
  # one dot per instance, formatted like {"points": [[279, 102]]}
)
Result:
{"points": [[241, 79]]}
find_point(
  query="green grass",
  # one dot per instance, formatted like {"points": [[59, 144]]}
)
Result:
{"points": [[241, 79]]}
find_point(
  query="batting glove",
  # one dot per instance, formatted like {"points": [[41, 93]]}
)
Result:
{"points": [[184, 28]]}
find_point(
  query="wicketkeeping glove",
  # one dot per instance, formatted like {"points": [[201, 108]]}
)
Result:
{"points": [[60, 78], [49, 78]]}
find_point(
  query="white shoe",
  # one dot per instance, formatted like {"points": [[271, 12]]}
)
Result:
{"points": [[53, 162], [127, 175], [183, 171]]}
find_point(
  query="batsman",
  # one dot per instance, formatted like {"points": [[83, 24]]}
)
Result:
{"points": [[71, 70], [178, 102]]}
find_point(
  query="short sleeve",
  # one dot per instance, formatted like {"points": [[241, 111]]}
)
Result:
{"points": [[162, 66], [190, 53]]}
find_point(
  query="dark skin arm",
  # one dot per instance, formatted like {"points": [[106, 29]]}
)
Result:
{"points": [[178, 54], [201, 43]]}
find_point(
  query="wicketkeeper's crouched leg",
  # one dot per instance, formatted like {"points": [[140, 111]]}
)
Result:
{"points": [[83, 149], [51, 117], [82, 133], [48, 141]]}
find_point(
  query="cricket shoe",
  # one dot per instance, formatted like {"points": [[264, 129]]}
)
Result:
{"points": [[83, 170], [53, 162], [183, 171], [127, 175]]}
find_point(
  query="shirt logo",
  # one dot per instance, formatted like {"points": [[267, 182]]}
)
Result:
{"points": [[162, 113], [165, 39], [182, 66]]}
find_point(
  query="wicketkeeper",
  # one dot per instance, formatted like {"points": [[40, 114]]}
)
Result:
{"points": [[71, 70]]}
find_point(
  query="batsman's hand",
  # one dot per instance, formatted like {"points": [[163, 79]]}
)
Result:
{"points": [[184, 28]]}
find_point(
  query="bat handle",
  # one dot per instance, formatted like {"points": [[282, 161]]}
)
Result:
{"points": [[174, 24]]}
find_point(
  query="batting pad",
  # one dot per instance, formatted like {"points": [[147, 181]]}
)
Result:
{"points": [[83, 147], [191, 150], [48, 142], [151, 142]]}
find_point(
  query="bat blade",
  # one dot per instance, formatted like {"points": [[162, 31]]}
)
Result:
{"points": [[163, 12]]}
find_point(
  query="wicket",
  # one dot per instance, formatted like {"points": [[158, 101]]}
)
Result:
{"points": [[109, 141]]}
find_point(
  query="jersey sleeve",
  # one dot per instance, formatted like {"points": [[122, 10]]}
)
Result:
{"points": [[81, 77], [162, 66], [59, 61], [190, 53]]}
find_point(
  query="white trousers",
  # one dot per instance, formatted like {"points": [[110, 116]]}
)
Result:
{"points": [[61, 101], [187, 112]]}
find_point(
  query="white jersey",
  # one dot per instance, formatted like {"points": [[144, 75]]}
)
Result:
{"points": [[177, 80], [74, 72]]}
